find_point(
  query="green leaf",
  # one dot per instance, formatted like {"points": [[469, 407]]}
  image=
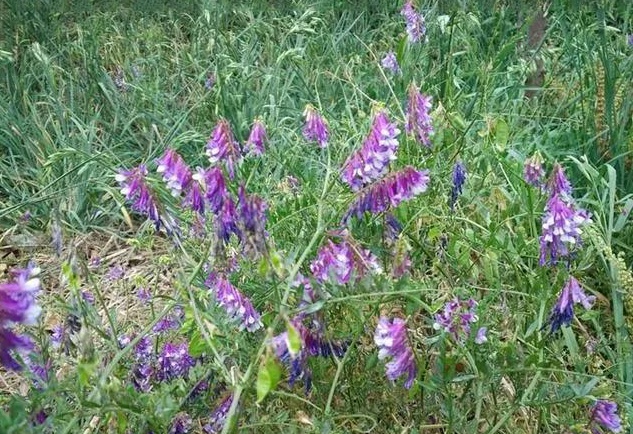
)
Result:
{"points": [[502, 133], [267, 378], [294, 340]]}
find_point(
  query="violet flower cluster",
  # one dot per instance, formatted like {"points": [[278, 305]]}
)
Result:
{"points": [[237, 306], [391, 339], [604, 414], [416, 28], [390, 63], [135, 189], [371, 162], [174, 361], [339, 263], [315, 128], [251, 222], [175, 172], [255, 142], [222, 146], [419, 122], [218, 417], [562, 222], [18, 305], [563, 311], [456, 319], [533, 171], [459, 178], [181, 424], [390, 191], [313, 344]]}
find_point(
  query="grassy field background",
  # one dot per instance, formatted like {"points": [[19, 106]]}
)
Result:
{"points": [[87, 88]]}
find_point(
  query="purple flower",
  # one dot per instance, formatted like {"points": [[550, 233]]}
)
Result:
{"points": [[315, 128], [236, 305], [558, 183], [144, 349], [227, 220], [338, 263], [115, 272], [58, 335], [181, 424], [175, 172], [218, 417], [169, 322], [459, 178], [629, 39], [561, 230], [142, 375], [605, 414], [118, 76], [371, 162], [222, 146], [88, 297], [389, 192], [144, 295], [136, 190], [390, 63], [209, 82], [391, 339], [214, 186], [95, 262], [416, 28], [563, 311], [18, 306], [533, 172], [419, 121], [456, 319], [174, 361], [256, 138], [252, 221], [481, 337]]}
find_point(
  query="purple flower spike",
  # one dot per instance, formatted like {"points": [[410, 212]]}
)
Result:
{"points": [[237, 306], [174, 361], [533, 172], [605, 414], [389, 192], [558, 182], [214, 186], [256, 139], [391, 339], [182, 424], [175, 172], [226, 223], [315, 128], [338, 263], [629, 39], [218, 417], [456, 319], [194, 198], [563, 311], [416, 28], [459, 178], [390, 63], [18, 306], [562, 231], [419, 122], [371, 162], [481, 337], [136, 190], [222, 146], [252, 223]]}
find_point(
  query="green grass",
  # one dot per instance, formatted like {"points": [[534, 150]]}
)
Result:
{"points": [[67, 128]]}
